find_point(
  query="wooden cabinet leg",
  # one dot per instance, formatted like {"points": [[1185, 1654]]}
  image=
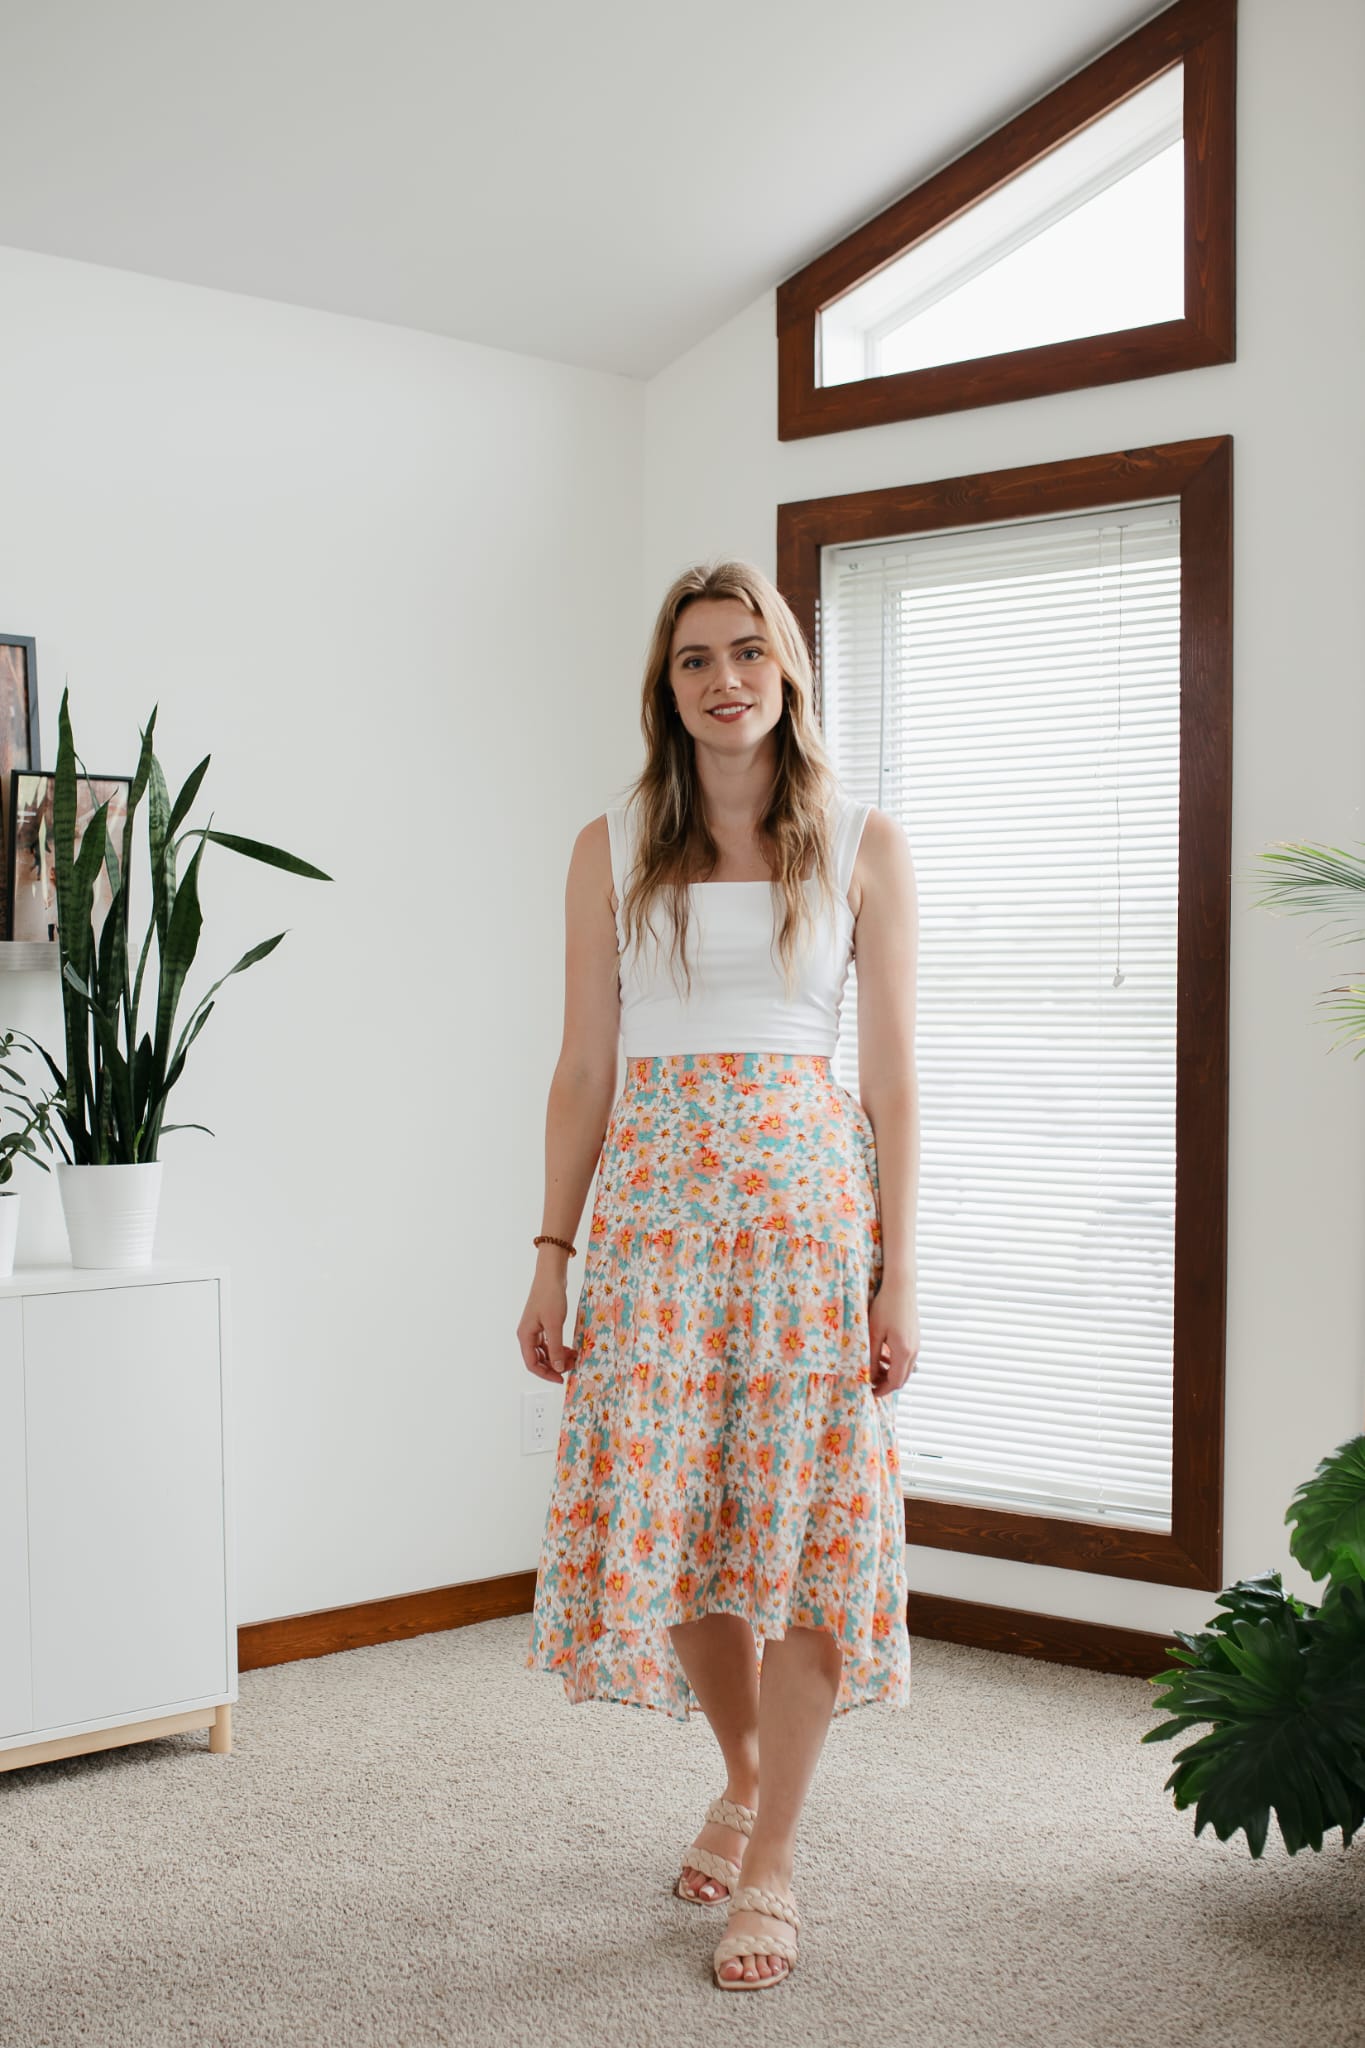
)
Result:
{"points": [[220, 1734]]}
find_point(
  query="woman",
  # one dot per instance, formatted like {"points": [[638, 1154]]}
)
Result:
{"points": [[727, 1472]]}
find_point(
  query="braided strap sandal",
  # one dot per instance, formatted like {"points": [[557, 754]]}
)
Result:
{"points": [[725, 1813], [751, 1898]]}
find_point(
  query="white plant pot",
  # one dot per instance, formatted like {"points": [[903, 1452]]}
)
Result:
{"points": [[110, 1212], [9, 1234]]}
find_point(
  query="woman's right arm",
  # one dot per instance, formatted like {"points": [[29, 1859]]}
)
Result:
{"points": [[582, 1091]]}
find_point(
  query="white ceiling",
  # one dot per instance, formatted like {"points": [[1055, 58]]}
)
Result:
{"points": [[601, 184]]}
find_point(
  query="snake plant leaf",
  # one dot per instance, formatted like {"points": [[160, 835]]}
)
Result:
{"points": [[143, 1065], [248, 959], [80, 943], [181, 810], [120, 1096], [1329, 1511], [176, 1068], [272, 855], [186, 1127], [178, 949], [135, 794], [161, 850]]}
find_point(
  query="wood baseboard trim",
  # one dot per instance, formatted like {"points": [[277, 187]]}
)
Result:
{"points": [[1090, 1645], [329, 1629], [1093, 1645]]}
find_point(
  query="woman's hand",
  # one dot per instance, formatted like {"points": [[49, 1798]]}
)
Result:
{"points": [[893, 1328], [540, 1333]]}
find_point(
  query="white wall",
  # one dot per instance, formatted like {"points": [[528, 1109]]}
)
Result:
{"points": [[1292, 401], [377, 575]]}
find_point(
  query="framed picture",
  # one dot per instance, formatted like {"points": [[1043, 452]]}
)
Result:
{"points": [[18, 735], [31, 866]]}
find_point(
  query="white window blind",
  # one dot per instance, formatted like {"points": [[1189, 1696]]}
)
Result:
{"points": [[1011, 694]]}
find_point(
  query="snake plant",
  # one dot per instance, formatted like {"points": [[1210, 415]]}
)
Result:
{"points": [[1282, 1682], [114, 1092]]}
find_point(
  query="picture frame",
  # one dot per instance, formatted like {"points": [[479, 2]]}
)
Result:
{"points": [[31, 885], [19, 742]]}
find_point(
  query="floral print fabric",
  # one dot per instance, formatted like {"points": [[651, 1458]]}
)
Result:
{"points": [[721, 1450]]}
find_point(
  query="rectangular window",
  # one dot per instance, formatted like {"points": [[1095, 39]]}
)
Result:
{"points": [[1012, 694]]}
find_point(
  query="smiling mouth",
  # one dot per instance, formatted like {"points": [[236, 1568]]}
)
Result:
{"points": [[728, 711]]}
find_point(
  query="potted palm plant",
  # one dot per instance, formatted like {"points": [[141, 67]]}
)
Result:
{"points": [[30, 1125], [118, 1080]]}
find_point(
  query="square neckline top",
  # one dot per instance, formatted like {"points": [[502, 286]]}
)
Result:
{"points": [[739, 1000]]}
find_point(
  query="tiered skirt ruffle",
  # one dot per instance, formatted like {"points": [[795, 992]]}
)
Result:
{"points": [[721, 1450]]}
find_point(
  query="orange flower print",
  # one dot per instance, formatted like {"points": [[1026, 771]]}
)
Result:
{"points": [[721, 1452]]}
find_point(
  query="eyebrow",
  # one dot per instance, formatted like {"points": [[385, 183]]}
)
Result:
{"points": [[698, 647]]}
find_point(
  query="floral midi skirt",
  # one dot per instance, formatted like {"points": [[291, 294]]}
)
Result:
{"points": [[721, 1450]]}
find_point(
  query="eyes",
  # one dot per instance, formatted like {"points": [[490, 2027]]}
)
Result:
{"points": [[688, 659]]}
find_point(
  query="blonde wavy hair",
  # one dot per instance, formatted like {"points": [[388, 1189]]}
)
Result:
{"points": [[672, 841]]}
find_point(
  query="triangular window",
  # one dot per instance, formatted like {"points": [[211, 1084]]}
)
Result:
{"points": [[1088, 241]]}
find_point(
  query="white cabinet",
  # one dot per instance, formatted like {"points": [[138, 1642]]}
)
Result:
{"points": [[117, 1568]]}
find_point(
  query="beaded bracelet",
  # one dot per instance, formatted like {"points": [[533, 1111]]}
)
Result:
{"points": [[545, 1238]]}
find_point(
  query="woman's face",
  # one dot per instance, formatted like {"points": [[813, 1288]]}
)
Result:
{"points": [[721, 658]]}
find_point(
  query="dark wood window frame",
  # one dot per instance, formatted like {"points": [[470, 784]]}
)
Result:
{"points": [[1199, 474], [1201, 34]]}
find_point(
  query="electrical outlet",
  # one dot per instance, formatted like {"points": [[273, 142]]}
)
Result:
{"points": [[537, 1425]]}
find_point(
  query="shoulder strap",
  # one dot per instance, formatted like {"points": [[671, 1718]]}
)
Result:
{"points": [[616, 833], [846, 843]]}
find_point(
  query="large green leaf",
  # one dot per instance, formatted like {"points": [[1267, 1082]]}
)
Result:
{"points": [[135, 795], [189, 791], [1329, 1510], [254, 850], [1283, 1685], [1276, 1745]]}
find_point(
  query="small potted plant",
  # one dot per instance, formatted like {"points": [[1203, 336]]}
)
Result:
{"points": [[29, 1126], [115, 1089]]}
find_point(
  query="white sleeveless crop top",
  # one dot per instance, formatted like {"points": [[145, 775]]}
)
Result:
{"points": [[738, 1001]]}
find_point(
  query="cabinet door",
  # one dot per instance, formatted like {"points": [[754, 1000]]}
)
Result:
{"points": [[16, 1694], [125, 1483]]}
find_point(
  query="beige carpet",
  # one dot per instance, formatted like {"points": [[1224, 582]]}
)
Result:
{"points": [[421, 1843]]}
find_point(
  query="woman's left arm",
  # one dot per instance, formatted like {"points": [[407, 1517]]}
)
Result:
{"points": [[887, 943]]}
